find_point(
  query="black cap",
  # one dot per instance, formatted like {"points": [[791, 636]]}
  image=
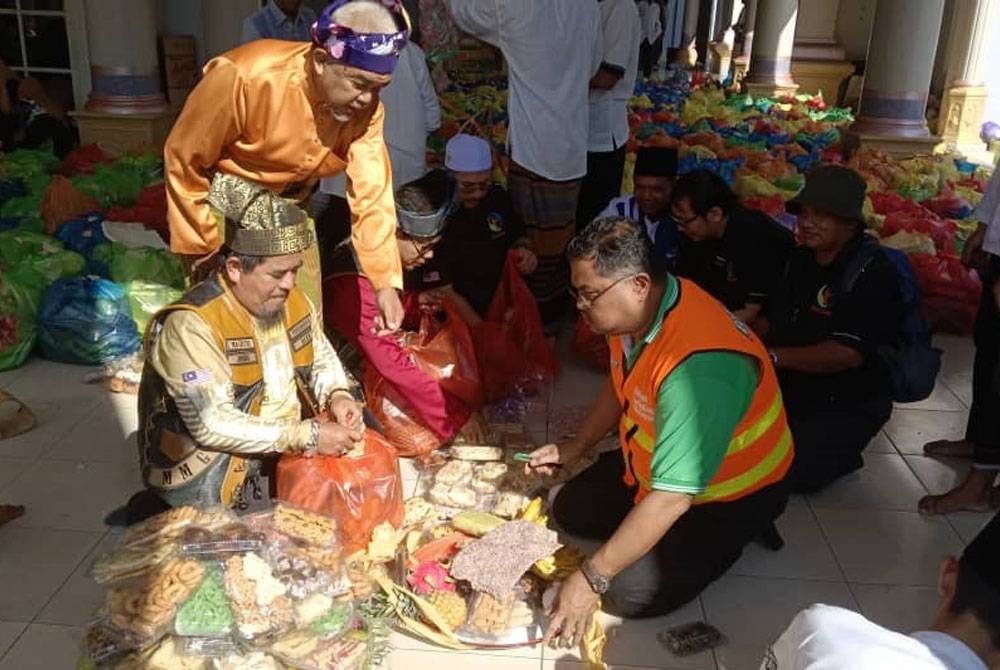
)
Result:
{"points": [[656, 162], [833, 189], [982, 556]]}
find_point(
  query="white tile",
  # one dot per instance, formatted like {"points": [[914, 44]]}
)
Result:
{"points": [[54, 419], [102, 436], [44, 379], [11, 469], [72, 495], [806, 554], [880, 444], [959, 383], [968, 524], [44, 647], [752, 611], [885, 482], [901, 608], [34, 563], [8, 377], [9, 631], [911, 429], [888, 547], [939, 475], [740, 657], [633, 643], [941, 399], [75, 603]]}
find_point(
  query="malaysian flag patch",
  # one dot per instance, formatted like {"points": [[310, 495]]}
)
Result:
{"points": [[196, 377]]}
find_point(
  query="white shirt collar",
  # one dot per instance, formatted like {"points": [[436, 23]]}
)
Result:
{"points": [[952, 652]]}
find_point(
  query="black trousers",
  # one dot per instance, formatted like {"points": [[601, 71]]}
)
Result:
{"points": [[829, 437], [333, 223], [603, 182], [983, 429], [697, 550]]}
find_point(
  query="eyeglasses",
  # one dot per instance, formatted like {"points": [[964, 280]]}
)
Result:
{"points": [[684, 223], [586, 302]]}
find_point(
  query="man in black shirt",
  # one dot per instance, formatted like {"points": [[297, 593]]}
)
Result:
{"points": [[734, 253], [469, 262], [824, 333]]}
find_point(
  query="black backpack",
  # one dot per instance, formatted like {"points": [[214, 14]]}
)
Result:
{"points": [[912, 361]]}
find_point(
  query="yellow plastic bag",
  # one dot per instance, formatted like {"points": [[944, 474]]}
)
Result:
{"points": [[754, 186]]}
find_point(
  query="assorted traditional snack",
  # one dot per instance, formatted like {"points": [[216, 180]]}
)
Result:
{"points": [[312, 528]]}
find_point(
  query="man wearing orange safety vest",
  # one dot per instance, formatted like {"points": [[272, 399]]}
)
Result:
{"points": [[705, 442]]}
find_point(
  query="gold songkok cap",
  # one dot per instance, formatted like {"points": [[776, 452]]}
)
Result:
{"points": [[258, 221]]}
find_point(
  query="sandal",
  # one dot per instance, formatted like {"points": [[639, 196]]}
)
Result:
{"points": [[15, 417], [10, 512]]}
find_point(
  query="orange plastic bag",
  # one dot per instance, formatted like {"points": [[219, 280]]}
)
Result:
{"points": [[511, 347], [590, 347], [360, 492], [445, 352], [62, 202], [407, 434]]}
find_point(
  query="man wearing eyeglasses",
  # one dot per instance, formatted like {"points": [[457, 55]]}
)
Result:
{"points": [[705, 445], [481, 231], [350, 306]]}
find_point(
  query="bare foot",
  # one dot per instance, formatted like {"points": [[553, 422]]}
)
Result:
{"points": [[975, 494], [955, 448], [10, 512]]}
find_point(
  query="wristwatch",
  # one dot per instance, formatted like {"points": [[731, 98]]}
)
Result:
{"points": [[599, 584], [310, 447]]}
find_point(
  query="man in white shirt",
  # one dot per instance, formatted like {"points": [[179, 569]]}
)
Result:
{"points": [[280, 20], [552, 48], [982, 433], [965, 634], [610, 90], [412, 112]]}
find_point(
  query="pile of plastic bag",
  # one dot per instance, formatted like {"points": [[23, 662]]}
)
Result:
{"points": [[63, 286]]}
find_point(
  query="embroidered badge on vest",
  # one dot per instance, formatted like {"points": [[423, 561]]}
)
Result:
{"points": [[241, 351], [300, 334]]}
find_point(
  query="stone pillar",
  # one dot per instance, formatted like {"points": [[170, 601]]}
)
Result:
{"points": [[898, 77], [124, 72], [973, 22], [688, 53], [774, 38], [818, 61]]}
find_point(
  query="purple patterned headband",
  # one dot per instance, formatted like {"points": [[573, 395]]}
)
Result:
{"points": [[372, 52]]}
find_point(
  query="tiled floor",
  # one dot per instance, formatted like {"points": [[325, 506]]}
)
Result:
{"points": [[860, 544]]}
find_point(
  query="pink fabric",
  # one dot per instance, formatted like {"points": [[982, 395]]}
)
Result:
{"points": [[349, 306]]}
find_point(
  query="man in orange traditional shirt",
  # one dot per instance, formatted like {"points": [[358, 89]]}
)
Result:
{"points": [[284, 114]]}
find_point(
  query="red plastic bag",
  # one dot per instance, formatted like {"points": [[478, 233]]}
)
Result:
{"points": [[511, 347], [408, 435], [926, 222], [773, 206], [84, 159], [360, 492], [444, 351], [150, 210], [590, 347]]}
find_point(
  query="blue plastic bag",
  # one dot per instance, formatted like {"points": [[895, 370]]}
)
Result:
{"points": [[83, 234], [86, 321]]}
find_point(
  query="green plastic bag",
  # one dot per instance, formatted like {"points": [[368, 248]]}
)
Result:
{"points": [[147, 298], [152, 265], [46, 255], [20, 295], [148, 166], [22, 207], [27, 163], [111, 185]]}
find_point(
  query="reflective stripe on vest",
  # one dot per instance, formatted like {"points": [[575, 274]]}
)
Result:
{"points": [[760, 451]]}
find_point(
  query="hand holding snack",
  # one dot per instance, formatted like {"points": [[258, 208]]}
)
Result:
{"points": [[337, 440], [347, 411], [545, 460]]}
